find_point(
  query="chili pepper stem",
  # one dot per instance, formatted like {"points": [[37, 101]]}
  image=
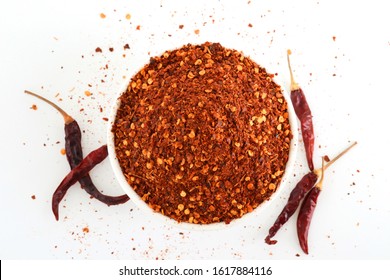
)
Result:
{"points": [[340, 155], [319, 172], [319, 184], [68, 119], [294, 85]]}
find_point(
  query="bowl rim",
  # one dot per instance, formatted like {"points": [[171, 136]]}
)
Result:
{"points": [[157, 216]]}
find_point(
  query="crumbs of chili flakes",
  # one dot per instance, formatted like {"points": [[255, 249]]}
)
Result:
{"points": [[202, 134]]}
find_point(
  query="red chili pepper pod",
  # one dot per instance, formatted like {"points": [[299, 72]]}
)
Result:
{"points": [[74, 155], [296, 195], [305, 216], [303, 112], [73, 149], [86, 165]]}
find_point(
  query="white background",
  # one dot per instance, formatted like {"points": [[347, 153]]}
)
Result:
{"points": [[341, 58]]}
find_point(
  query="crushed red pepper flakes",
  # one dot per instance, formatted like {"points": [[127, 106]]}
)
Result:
{"points": [[63, 152], [138, 27], [87, 93], [181, 26], [33, 197], [128, 16], [250, 25], [86, 230], [202, 134], [102, 15], [98, 50], [126, 47], [34, 107], [196, 31], [111, 49], [326, 158]]}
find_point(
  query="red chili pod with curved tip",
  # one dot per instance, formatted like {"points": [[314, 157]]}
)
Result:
{"points": [[296, 196], [305, 185], [87, 164], [305, 216], [74, 155], [303, 112]]}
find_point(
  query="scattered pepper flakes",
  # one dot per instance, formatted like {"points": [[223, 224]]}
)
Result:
{"points": [[98, 50], [34, 107], [63, 152], [126, 47], [196, 31], [33, 197], [87, 93], [105, 119], [86, 230], [111, 49], [326, 158], [181, 26], [128, 16], [250, 25], [102, 15], [334, 38], [138, 27]]}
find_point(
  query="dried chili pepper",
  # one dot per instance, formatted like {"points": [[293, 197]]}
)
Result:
{"points": [[306, 212], [297, 194], [302, 109], [87, 164], [74, 155]]}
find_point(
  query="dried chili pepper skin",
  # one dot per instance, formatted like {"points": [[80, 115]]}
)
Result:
{"points": [[303, 112], [305, 216], [73, 149], [78, 172], [297, 194], [74, 155]]}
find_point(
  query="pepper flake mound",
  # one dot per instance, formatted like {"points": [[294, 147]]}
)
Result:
{"points": [[202, 134]]}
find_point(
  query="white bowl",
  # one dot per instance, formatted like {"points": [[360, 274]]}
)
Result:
{"points": [[158, 217]]}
